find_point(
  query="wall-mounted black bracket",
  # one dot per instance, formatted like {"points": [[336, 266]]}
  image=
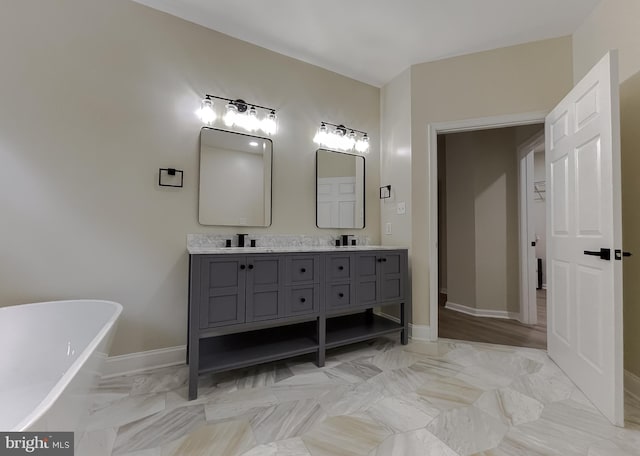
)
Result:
{"points": [[385, 192], [170, 172]]}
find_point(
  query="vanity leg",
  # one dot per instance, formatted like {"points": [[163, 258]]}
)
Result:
{"points": [[193, 345], [194, 348], [369, 315], [322, 329], [404, 321]]}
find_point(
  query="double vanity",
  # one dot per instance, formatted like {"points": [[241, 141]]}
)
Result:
{"points": [[259, 304], [284, 296]]}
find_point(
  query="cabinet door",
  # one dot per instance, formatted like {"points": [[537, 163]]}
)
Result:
{"points": [[302, 300], [222, 291], [392, 276], [264, 295], [367, 278]]}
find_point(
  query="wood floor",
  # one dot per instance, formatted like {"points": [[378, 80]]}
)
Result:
{"points": [[456, 325]]}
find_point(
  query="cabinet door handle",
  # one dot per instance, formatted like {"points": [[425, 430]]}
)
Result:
{"points": [[384, 260], [340, 268], [341, 295], [250, 266], [302, 299], [379, 260], [242, 266], [303, 270]]}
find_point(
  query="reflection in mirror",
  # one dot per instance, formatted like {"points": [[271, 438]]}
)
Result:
{"points": [[339, 190], [235, 179]]}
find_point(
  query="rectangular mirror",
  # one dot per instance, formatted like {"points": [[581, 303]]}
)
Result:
{"points": [[339, 190], [235, 179]]}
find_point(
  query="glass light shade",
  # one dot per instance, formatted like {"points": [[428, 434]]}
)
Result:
{"points": [[350, 139], [230, 117], [269, 125], [206, 113], [321, 135], [362, 145]]}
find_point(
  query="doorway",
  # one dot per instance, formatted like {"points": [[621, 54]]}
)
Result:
{"points": [[482, 219], [499, 320]]}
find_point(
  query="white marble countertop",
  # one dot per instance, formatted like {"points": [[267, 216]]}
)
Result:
{"points": [[211, 249]]}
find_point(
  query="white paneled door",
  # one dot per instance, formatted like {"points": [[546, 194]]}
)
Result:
{"points": [[584, 229]]}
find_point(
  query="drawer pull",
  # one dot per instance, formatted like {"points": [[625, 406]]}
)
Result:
{"points": [[303, 270], [250, 266], [340, 268], [242, 266], [302, 299], [341, 295]]}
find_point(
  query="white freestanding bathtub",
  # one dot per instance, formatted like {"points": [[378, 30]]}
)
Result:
{"points": [[51, 354]]}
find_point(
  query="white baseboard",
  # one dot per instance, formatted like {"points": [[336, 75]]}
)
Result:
{"points": [[632, 384], [505, 314], [420, 332], [141, 361], [416, 332]]}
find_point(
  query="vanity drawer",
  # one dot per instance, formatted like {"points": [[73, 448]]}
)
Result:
{"points": [[339, 267], [302, 269], [302, 300], [338, 296]]}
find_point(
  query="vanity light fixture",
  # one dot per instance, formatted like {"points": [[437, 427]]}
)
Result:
{"points": [[341, 138], [239, 113]]}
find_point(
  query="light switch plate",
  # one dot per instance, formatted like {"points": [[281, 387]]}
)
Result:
{"points": [[402, 208], [387, 228]]}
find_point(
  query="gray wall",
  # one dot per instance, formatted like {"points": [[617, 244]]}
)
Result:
{"points": [[96, 96], [499, 82]]}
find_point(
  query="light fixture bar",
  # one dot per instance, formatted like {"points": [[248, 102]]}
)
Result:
{"points": [[342, 138], [344, 126], [239, 101], [240, 114]]}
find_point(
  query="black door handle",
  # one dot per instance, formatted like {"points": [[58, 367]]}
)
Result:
{"points": [[619, 254], [242, 266], [604, 254], [340, 268], [250, 266], [341, 295], [302, 300], [303, 270]]}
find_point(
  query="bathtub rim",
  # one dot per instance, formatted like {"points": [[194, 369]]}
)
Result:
{"points": [[64, 381]]}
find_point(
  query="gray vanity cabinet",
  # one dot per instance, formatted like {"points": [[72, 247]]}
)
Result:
{"points": [[221, 290], [380, 277], [265, 297], [240, 289], [339, 283], [302, 280], [252, 308]]}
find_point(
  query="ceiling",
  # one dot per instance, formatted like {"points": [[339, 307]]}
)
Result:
{"points": [[375, 40]]}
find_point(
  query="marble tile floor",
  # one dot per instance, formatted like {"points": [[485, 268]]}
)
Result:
{"points": [[371, 399]]}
